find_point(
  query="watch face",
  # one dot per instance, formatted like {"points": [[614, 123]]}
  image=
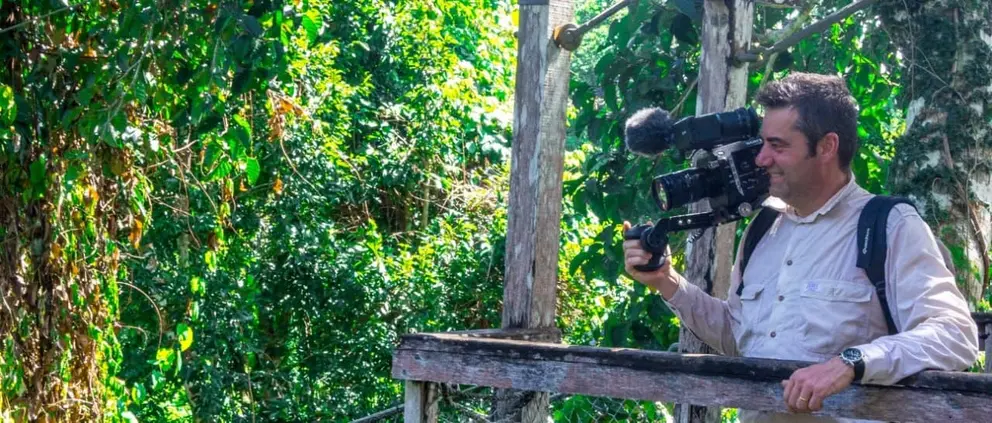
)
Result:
{"points": [[851, 355]]}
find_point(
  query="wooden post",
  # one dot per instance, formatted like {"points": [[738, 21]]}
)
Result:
{"points": [[535, 185], [420, 405], [722, 86], [988, 348]]}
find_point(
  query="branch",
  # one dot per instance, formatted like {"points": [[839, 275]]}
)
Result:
{"points": [[781, 4], [790, 30], [31, 20], [818, 26], [161, 323], [382, 415]]}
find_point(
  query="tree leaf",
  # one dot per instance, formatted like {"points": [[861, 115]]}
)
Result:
{"points": [[165, 358], [312, 23], [38, 168], [196, 285], [251, 25], [252, 170], [8, 107], [222, 170], [185, 334]]}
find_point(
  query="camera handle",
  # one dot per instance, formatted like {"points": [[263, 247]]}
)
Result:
{"points": [[654, 239]]}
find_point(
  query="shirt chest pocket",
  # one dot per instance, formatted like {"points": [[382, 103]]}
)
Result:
{"points": [[752, 309], [835, 314]]}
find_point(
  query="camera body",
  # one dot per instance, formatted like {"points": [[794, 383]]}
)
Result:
{"points": [[726, 175], [724, 172]]}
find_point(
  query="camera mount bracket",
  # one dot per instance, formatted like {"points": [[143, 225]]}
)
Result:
{"points": [[654, 239]]}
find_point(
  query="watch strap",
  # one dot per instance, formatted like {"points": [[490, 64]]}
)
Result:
{"points": [[859, 369]]}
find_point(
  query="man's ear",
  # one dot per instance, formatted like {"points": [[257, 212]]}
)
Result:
{"points": [[828, 146]]}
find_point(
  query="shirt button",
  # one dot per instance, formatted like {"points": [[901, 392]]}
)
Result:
{"points": [[781, 297], [788, 263], [772, 334]]}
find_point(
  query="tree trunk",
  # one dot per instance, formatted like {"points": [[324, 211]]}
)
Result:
{"points": [[942, 160], [722, 86]]}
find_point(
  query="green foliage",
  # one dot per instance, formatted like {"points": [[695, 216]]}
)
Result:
{"points": [[231, 210], [255, 198], [351, 201]]}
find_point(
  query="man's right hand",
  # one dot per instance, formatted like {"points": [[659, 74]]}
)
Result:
{"points": [[664, 280]]}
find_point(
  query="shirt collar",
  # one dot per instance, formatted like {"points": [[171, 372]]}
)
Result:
{"points": [[790, 212]]}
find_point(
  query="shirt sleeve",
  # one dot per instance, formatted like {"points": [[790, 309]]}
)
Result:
{"points": [[712, 320], [936, 330]]}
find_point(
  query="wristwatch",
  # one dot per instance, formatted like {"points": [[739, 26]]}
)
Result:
{"points": [[855, 358]]}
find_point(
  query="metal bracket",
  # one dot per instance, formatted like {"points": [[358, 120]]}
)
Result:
{"points": [[569, 36]]}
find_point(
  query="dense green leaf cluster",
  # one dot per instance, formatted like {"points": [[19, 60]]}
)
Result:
{"points": [[230, 210], [369, 210]]}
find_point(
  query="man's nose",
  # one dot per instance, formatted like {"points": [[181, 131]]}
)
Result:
{"points": [[764, 158]]}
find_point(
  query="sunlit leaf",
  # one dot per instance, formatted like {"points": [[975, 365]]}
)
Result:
{"points": [[252, 170], [185, 334]]}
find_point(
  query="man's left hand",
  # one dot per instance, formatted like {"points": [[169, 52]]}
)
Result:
{"points": [[808, 387]]}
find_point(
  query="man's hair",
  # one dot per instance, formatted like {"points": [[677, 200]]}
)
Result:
{"points": [[823, 105]]}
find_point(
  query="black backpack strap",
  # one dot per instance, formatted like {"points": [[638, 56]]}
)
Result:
{"points": [[873, 247], [761, 223]]}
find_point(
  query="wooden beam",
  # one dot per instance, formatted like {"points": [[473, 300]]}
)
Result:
{"points": [[536, 162], [708, 380], [783, 3], [722, 86], [534, 213], [535, 334], [988, 348], [421, 402]]}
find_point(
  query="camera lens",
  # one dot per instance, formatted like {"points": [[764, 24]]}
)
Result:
{"points": [[740, 123], [680, 188]]}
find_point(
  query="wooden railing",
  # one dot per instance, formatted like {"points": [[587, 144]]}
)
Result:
{"points": [[517, 359]]}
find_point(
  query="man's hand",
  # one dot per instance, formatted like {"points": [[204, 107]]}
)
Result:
{"points": [[664, 280], [807, 388]]}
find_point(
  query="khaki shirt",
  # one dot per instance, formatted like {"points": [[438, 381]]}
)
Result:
{"points": [[804, 298]]}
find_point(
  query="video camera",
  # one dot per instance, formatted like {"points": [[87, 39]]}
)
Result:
{"points": [[726, 145]]}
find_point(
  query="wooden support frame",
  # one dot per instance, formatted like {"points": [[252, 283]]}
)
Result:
{"points": [[722, 86], [524, 356], [534, 217], [420, 405], [984, 322], [708, 380]]}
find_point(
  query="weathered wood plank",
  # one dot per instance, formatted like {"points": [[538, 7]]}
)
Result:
{"points": [[537, 157], [536, 168], [722, 86], [420, 404], [660, 376], [532, 334], [661, 361], [982, 318]]}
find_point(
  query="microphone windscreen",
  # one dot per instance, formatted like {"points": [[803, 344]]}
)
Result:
{"points": [[649, 131]]}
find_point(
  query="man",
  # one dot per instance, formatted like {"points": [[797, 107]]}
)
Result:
{"points": [[804, 296]]}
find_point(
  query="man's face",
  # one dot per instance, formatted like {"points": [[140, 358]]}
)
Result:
{"points": [[785, 155]]}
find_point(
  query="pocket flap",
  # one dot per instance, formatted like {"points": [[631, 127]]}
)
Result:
{"points": [[831, 290], [751, 291]]}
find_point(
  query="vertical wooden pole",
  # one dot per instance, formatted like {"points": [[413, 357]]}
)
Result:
{"points": [[534, 215], [420, 405], [722, 86], [988, 348], [536, 167], [416, 397]]}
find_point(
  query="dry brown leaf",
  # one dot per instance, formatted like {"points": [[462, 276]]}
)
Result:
{"points": [[135, 235]]}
